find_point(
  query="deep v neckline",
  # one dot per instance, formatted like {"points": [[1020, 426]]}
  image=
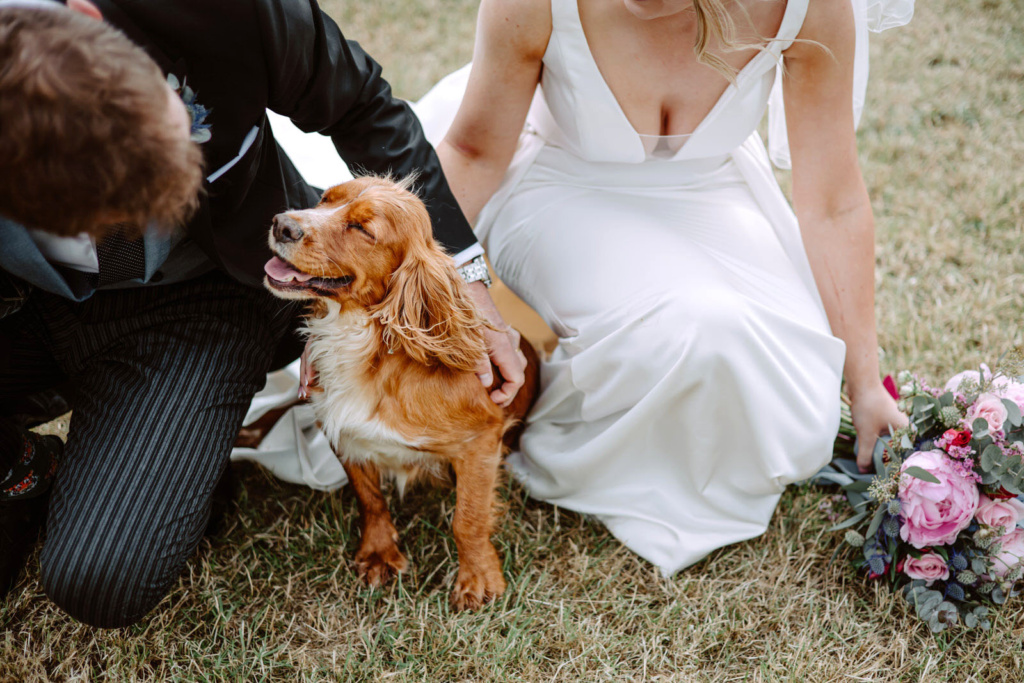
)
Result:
{"points": [[720, 103]]}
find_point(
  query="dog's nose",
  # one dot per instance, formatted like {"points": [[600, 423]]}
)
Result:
{"points": [[286, 228]]}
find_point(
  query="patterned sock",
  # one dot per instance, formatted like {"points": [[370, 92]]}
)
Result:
{"points": [[30, 466]]}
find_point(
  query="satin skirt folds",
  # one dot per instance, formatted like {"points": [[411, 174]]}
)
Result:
{"points": [[696, 375]]}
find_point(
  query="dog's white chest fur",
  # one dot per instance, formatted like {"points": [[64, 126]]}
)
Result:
{"points": [[341, 346]]}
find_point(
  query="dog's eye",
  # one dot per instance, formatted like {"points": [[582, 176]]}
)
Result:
{"points": [[360, 228]]}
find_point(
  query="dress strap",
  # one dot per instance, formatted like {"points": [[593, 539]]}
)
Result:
{"points": [[792, 22], [868, 15], [564, 15]]}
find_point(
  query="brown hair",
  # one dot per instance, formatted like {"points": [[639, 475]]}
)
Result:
{"points": [[84, 137]]}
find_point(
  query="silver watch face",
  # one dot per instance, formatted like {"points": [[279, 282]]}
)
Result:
{"points": [[476, 271]]}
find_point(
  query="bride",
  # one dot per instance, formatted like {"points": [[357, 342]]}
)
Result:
{"points": [[607, 151]]}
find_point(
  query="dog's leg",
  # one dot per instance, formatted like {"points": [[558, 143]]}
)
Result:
{"points": [[480, 579], [378, 558]]}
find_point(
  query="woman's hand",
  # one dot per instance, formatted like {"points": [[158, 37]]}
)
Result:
{"points": [[874, 414]]}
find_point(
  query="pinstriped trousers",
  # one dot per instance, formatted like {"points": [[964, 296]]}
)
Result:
{"points": [[161, 378]]}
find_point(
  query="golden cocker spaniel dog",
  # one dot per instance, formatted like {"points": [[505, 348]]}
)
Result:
{"points": [[395, 341]]}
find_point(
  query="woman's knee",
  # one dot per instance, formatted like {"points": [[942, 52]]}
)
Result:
{"points": [[705, 325]]}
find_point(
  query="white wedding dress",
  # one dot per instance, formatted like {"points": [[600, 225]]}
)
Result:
{"points": [[696, 374]]}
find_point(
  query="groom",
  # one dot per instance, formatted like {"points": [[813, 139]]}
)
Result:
{"points": [[138, 178]]}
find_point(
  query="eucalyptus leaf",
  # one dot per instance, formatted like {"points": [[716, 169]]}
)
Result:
{"points": [[1012, 412], [979, 566], [859, 486], [1013, 463], [878, 454], [856, 499], [922, 474], [929, 602], [944, 616], [982, 443], [828, 476], [846, 524], [979, 428], [989, 457], [922, 405], [876, 522], [946, 399], [998, 596]]}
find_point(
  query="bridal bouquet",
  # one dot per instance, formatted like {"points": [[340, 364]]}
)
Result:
{"points": [[941, 517]]}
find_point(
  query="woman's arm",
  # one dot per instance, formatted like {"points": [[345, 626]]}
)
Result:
{"points": [[832, 205], [511, 38]]}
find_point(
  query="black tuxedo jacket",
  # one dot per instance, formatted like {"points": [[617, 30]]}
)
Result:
{"points": [[242, 57]]}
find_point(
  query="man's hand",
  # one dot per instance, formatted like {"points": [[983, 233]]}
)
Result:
{"points": [[503, 348], [307, 374]]}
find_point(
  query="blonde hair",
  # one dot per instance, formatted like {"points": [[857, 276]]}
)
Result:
{"points": [[715, 24]]}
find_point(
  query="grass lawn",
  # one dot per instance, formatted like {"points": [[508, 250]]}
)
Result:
{"points": [[273, 596]]}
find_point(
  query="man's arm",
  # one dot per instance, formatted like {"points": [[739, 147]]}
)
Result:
{"points": [[328, 84]]}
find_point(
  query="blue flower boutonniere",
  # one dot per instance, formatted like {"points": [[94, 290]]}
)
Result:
{"points": [[200, 129]]}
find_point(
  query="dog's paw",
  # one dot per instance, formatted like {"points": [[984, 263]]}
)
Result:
{"points": [[377, 566], [475, 588]]}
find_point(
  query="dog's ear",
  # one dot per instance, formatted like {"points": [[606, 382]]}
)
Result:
{"points": [[428, 314]]}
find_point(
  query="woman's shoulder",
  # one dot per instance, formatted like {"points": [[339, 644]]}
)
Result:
{"points": [[525, 25], [827, 24]]}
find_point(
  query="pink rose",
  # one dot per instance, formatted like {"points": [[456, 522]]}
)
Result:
{"points": [[1010, 389], [933, 514], [930, 567], [954, 383], [1001, 514], [990, 408], [1002, 386], [1011, 552]]}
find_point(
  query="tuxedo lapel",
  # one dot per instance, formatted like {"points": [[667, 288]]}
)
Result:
{"points": [[21, 257]]}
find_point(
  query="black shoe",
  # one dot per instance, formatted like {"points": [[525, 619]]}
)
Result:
{"points": [[24, 499], [20, 526]]}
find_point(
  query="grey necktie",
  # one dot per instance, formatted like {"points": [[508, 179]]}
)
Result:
{"points": [[121, 257]]}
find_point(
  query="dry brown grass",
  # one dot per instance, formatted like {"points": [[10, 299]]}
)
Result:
{"points": [[274, 596]]}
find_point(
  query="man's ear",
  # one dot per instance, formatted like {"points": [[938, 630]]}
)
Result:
{"points": [[85, 7]]}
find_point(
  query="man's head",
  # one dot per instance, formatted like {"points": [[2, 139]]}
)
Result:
{"points": [[90, 132]]}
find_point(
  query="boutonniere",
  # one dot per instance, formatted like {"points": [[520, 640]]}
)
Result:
{"points": [[200, 129]]}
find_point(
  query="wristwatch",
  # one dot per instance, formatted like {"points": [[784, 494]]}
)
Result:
{"points": [[475, 270]]}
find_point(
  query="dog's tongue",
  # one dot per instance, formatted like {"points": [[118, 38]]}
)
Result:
{"points": [[282, 271]]}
